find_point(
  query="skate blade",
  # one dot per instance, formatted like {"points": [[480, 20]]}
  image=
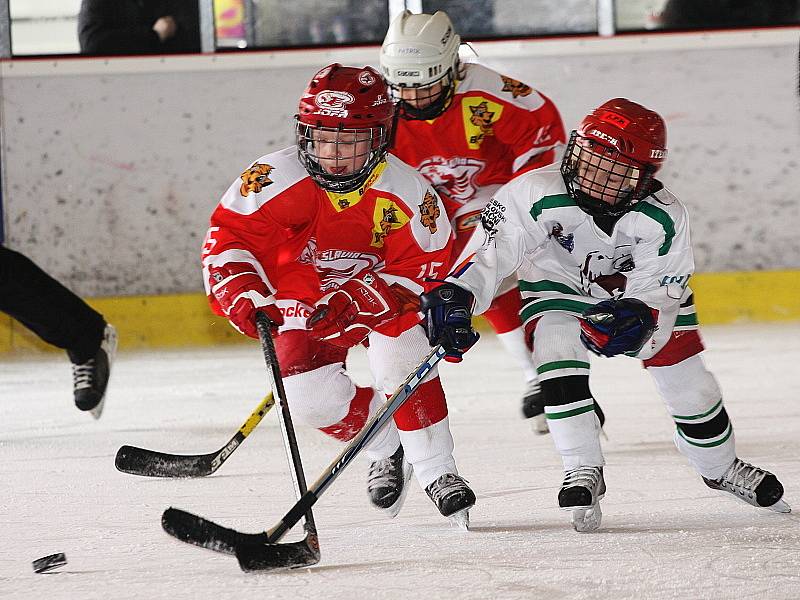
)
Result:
{"points": [[97, 411], [586, 519], [460, 519], [780, 507], [394, 509], [539, 424]]}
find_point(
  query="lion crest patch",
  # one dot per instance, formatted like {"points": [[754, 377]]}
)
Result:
{"points": [[255, 179], [517, 88], [429, 211]]}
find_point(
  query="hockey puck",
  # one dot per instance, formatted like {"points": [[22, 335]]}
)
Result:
{"points": [[48, 563]]}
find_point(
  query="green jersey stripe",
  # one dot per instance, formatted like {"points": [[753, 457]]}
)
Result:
{"points": [[557, 201], [700, 416], [684, 320], [562, 364], [661, 217], [540, 306], [570, 413], [718, 442], [545, 286]]}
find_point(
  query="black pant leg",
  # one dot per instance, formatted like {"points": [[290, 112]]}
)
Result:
{"points": [[47, 308]]}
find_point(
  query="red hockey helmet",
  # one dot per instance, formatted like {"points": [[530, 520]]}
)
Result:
{"points": [[344, 126], [611, 158]]}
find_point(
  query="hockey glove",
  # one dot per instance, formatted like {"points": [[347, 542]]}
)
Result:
{"points": [[448, 319], [241, 292], [347, 316], [614, 327]]}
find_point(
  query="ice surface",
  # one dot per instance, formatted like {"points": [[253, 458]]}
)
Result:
{"points": [[664, 534]]}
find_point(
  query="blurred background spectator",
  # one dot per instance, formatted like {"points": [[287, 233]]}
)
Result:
{"points": [[138, 26], [705, 14]]}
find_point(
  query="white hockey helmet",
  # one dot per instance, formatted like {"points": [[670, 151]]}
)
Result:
{"points": [[420, 52]]}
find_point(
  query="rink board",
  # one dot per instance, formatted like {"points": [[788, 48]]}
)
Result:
{"points": [[184, 320]]}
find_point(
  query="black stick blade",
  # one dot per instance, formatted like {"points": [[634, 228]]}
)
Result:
{"points": [[201, 532], [149, 463], [272, 557]]}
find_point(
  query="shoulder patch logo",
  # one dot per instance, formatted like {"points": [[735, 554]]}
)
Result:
{"points": [[429, 211], [255, 179], [480, 115], [517, 88], [386, 217]]}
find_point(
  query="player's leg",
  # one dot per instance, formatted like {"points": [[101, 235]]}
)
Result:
{"points": [[321, 394], [563, 366], [62, 319], [703, 432], [422, 421]]}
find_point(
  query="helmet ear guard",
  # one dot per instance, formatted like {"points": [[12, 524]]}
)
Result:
{"points": [[419, 60], [611, 158]]}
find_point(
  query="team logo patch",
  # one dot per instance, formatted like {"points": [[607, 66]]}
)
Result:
{"points": [[455, 176], [607, 272], [482, 118], [567, 241], [255, 179], [386, 217], [429, 211], [517, 88], [479, 115], [333, 102]]}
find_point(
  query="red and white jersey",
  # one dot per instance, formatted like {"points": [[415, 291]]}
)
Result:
{"points": [[494, 128], [305, 241]]}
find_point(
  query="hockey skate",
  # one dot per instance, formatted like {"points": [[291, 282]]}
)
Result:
{"points": [[90, 379], [533, 407], [750, 484], [387, 482], [453, 497], [581, 492]]}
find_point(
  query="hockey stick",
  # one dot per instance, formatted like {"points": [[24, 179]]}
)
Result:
{"points": [[295, 554], [150, 463], [261, 551]]}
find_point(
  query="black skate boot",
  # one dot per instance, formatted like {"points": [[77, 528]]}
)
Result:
{"points": [[533, 407], [90, 379], [453, 497], [752, 485], [581, 492], [387, 482]]}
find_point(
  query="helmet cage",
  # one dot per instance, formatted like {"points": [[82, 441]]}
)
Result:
{"points": [[358, 150], [415, 102], [601, 180]]}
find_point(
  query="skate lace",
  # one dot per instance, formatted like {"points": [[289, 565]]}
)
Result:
{"points": [[743, 478], [588, 477], [381, 474], [83, 374], [447, 483]]}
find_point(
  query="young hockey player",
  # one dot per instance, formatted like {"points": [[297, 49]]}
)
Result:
{"points": [[331, 239], [603, 253], [469, 130]]}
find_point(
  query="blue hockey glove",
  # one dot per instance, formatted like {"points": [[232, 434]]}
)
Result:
{"points": [[448, 319], [614, 327]]}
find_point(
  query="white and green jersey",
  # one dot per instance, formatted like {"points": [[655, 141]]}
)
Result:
{"points": [[565, 261]]}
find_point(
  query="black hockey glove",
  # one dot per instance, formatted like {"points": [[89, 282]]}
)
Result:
{"points": [[614, 327], [448, 319]]}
